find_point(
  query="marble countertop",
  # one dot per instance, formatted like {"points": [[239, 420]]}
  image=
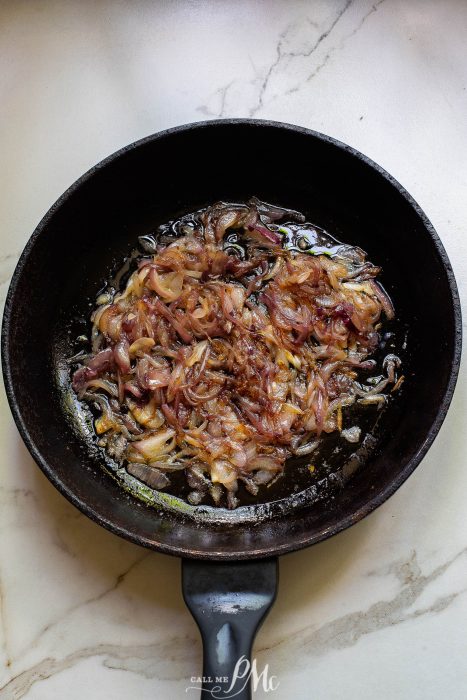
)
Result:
{"points": [[379, 611]]}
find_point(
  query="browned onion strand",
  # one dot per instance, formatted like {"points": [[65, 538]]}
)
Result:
{"points": [[226, 361]]}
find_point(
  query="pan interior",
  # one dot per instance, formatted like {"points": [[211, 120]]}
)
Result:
{"points": [[332, 464], [95, 226]]}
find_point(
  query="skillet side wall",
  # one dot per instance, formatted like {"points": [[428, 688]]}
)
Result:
{"points": [[96, 223]]}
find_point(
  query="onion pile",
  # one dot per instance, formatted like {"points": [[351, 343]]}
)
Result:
{"points": [[227, 353]]}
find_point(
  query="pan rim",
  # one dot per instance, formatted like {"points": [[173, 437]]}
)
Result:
{"points": [[305, 540]]}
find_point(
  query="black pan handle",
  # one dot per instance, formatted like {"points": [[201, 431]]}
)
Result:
{"points": [[229, 601]]}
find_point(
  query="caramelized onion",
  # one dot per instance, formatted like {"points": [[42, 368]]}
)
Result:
{"points": [[225, 359]]}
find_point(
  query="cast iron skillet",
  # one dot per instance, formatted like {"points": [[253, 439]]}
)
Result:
{"points": [[88, 233]]}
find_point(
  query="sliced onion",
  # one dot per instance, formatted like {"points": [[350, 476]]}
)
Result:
{"points": [[168, 286], [147, 415], [378, 399], [149, 475], [307, 448], [195, 398], [197, 352], [104, 384], [152, 447], [352, 434], [141, 346], [184, 334], [122, 357], [264, 236], [223, 472], [383, 298], [265, 463]]}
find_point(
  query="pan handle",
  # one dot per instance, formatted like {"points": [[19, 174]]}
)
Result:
{"points": [[229, 601]]}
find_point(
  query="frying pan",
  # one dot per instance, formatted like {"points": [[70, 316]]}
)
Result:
{"points": [[229, 557]]}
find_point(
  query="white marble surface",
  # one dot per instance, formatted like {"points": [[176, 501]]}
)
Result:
{"points": [[379, 611]]}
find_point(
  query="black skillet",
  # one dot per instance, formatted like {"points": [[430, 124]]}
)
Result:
{"points": [[86, 235]]}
